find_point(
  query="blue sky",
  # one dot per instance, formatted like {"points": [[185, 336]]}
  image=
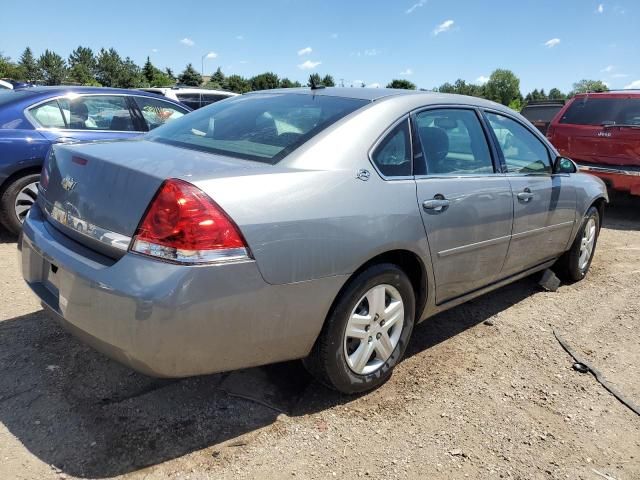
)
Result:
{"points": [[547, 43]]}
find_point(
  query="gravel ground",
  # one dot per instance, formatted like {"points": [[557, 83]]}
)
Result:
{"points": [[485, 392]]}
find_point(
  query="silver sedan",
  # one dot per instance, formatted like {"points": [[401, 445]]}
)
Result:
{"points": [[320, 224]]}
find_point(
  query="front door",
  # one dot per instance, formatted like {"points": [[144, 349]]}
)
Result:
{"points": [[465, 202], [544, 203]]}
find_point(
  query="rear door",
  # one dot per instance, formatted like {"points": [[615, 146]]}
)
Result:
{"points": [[156, 112], [87, 118], [544, 203], [464, 199]]}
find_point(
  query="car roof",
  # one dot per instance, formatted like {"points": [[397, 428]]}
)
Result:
{"points": [[418, 97], [628, 93], [188, 90]]}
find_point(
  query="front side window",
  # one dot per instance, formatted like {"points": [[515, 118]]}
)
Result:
{"points": [[453, 143], [261, 127], [523, 152], [157, 112], [392, 156]]}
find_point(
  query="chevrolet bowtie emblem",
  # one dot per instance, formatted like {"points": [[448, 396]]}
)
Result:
{"points": [[68, 183]]}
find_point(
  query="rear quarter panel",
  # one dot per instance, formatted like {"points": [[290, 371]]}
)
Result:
{"points": [[20, 150]]}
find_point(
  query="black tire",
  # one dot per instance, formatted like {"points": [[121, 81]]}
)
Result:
{"points": [[327, 361], [568, 266], [8, 217]]}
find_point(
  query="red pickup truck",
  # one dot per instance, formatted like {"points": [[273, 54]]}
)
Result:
{"points": [[601, 133]]}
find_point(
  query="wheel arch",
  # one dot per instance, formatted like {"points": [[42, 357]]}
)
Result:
{"points": [[30, 170]]}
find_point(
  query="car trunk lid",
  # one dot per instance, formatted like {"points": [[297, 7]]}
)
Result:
{"points": [[97, 193]]}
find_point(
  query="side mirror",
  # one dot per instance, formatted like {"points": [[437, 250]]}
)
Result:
{"points": [[564, 165]]}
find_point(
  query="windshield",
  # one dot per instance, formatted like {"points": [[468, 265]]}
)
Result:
{"points": [[262, 127]]}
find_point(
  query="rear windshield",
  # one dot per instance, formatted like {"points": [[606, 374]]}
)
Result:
{"points": [[603, 111], [262, 127], [540, 113]]}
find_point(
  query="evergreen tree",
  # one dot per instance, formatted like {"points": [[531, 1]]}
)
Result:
{"points": [[29, 66], [190, 77], [53, 67]]}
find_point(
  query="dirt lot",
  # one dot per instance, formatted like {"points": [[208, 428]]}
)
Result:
{"points": [[486, 392]]}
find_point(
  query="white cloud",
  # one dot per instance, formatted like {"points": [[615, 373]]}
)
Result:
{"points": [[408, 71], [155, 50], [333, 36], [635, 84], [552, 43], [373, 85], [600, 8], [443, 27], [308, 65], [188, 42], [620, 75], [239, 37], [372, 52], [608, 69], [305, 51], [413, 7], [482, 79], [211, 55]]}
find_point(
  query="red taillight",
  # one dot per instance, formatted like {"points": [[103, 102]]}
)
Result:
{"points": [[183, 224]]}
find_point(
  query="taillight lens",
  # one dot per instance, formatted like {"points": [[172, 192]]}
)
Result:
{"points": [[184, 225]]}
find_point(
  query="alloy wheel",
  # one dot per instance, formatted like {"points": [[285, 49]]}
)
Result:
{"points": [[587, 243], [374, 329], [25, 200]]}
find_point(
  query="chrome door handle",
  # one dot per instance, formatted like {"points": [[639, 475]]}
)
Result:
{"points": [[438, 205], [526, 195]]}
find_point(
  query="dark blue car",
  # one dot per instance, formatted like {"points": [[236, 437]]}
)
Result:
{"points": [[33, 119]]}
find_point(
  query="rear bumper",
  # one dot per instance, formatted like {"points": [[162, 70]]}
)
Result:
{"points": [[171, 320], [624, 179]]}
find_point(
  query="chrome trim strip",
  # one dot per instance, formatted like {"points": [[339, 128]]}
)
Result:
{"points": [[612, 170], [473, 246], [538, 231], [190, 257], [82, 227]]}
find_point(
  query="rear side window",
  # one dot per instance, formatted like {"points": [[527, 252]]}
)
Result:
{"points": [[261, 127], [209, 98], [453, 143], [523, 152], [97, 112], [49, 115], [602, 111], [392, 156]]}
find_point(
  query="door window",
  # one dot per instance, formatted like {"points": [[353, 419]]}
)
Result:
{"points": [[393, 155], [523, 152], [453, 143], [191, 100], [158, 112], [99, 112], [49, 115]]}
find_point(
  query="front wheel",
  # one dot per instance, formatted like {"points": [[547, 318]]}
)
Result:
{"points": [[366, 332], [575, 262]]}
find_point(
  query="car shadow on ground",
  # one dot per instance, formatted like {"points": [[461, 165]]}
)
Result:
{"points": [[623, 213], [88, 416], [6, 237]]}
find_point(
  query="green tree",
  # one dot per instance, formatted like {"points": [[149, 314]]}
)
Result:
{"points": [[190, 77], [130, 75], [169, 73], [328, 81], [109, 67], [82, 66], [401, 83], [53, 67], [9, 69], [503, 87], [555, 94], [29, 66], [237, 84], [585, 86], [154, 77], [149, 71], [462, 88], [83, 55], [286, 83], [265, 81], [314, 80], [217, 79], [516, 104]]}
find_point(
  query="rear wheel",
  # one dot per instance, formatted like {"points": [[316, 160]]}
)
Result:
{"points": [[367, 331], [16, 201], [574, 264]]}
